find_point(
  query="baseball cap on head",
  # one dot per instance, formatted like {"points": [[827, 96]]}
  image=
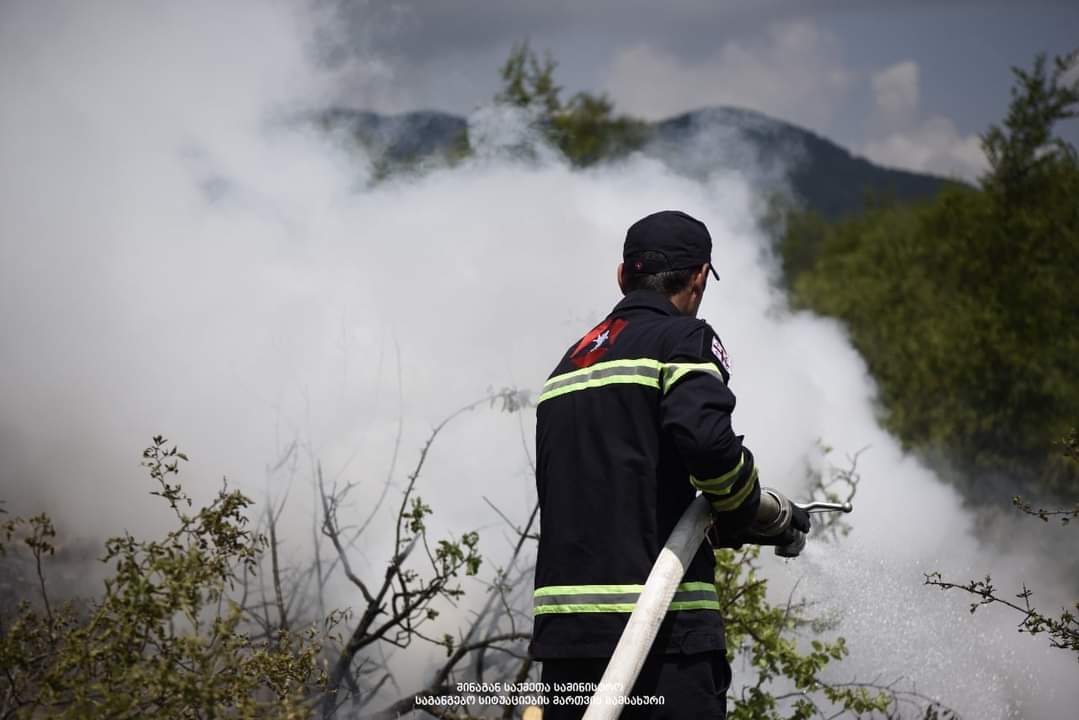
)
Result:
{"points": [[667, 240]]}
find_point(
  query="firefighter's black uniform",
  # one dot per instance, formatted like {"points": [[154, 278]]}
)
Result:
{"points": [[634, 420]]}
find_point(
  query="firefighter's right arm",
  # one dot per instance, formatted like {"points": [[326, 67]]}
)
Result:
{"points": [[695, 411]]}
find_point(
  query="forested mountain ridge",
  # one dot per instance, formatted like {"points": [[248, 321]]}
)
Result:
{"points": [[823, 176]]}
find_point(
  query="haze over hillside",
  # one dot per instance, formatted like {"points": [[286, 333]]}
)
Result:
{"points": [[824, 176]]}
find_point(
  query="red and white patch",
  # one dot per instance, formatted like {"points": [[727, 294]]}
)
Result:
{"points": [[721, 353], [597, 342]]}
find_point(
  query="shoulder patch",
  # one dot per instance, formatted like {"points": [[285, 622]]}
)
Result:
{"points": [[721, 353], [597, 342]]}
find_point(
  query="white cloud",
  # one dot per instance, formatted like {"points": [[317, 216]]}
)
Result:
{"points": [[895, 90], [935, 146], [904, 140], [794, 73]]}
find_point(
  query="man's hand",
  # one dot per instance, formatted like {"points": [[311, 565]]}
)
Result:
{"points": [[779, 522], [792, 540]]}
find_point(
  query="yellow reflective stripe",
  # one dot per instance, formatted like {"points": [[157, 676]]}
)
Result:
{"points": [[636, 371], [628, 363], [621, 607], [584, 608], [639, 371], [623, 598], [695, 605], [612, 380], [732, 502], [722, 484], [613, 589], [673, 372], [702, 586]]}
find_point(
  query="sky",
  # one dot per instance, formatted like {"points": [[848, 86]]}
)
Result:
{"points": [[907, 84]]}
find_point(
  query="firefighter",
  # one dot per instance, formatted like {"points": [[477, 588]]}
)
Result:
{"points": [[634, 420]]}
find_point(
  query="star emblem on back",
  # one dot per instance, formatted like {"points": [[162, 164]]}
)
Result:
{"points": [[597, 343]]}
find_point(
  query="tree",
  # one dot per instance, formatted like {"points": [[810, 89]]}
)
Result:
{"points": [[963, 306], [1024, 155], [585, 128], [528, 82], [165, 639], [396, 611]]}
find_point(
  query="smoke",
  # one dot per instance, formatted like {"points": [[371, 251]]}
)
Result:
{"points": [[178, 256]]}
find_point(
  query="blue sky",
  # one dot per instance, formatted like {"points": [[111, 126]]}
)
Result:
{"points": [[908, 84]]}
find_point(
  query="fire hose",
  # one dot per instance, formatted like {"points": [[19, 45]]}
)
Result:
{"points": [[667, 572]]}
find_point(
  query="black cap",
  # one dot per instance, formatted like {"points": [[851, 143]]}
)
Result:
{"points": [[672, 240]]}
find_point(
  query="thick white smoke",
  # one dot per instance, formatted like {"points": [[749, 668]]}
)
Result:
{"points": [[177, 255]]}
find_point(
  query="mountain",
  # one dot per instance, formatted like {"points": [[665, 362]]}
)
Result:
{"points": [[826, 177], [777, 155], [405, 138]]}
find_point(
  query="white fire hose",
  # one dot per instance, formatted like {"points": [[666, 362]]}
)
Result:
{"points": [[651, 608]]}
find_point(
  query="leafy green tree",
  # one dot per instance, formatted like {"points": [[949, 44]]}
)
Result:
{"points": [[165, 640], [528, 82], [585, 128], [964, 306], [1025, 158]]}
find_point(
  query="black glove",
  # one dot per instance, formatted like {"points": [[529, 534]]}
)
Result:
{"points": [[792, 541], [720, 537], [800, 519], [781, 524]]}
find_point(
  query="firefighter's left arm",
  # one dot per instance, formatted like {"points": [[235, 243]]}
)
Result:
{"points": [[695, 411]]}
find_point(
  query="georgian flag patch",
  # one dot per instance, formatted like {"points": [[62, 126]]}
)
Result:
{"points": [[721, 353]]}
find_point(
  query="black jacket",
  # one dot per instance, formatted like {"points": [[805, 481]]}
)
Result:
{"points": [[633, 421]]}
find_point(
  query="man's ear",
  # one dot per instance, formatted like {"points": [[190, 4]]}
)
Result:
{"points": [[700, 278], [622, 278]]}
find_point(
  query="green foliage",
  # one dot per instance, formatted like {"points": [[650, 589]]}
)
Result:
{"points": [[789, 670], [585, 128], [964, 307], [1069, 447], [1024, 155], [178, 630], [787, 648], [529, 82], [801, 239], [164, 640]]}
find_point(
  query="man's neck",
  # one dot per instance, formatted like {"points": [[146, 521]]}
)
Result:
{"points": [[683, 302]]}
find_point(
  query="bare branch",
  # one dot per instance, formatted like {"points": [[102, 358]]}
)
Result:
{"points": [[1063, 631], [275, 568], [329, 529]]}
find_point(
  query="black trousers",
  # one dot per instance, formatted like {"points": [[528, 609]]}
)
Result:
{"points": [[670, 687]]}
